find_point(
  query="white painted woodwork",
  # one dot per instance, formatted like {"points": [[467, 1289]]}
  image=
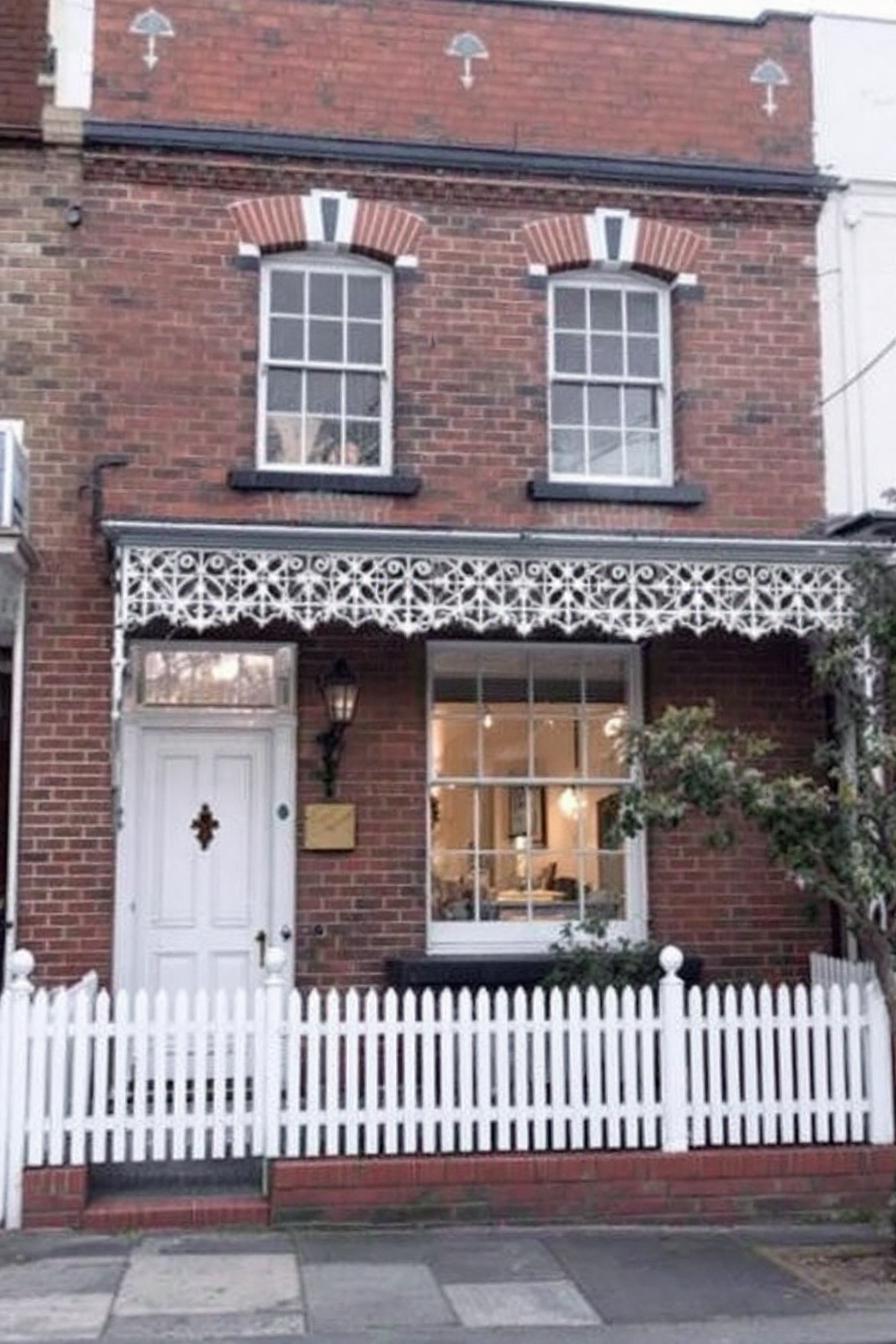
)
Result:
{"points": [[188, 917], [96, 1078]]}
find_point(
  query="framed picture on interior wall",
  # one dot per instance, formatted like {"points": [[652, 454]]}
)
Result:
{"points": [[607, 817], [516, 812]]}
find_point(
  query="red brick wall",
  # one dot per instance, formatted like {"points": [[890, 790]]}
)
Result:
{"points": [[556, 78], [723, 1186], [355, 910], [65, 852], [742, 917], [22, 45], [170, 332]]}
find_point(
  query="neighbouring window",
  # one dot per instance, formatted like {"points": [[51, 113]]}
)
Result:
{"points": [[326, 353], [525, 771], [610, 382]]}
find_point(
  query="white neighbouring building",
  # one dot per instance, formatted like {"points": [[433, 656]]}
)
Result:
{"points": [[855, 116]]}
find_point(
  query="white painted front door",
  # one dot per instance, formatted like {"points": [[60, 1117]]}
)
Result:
{"points": [[202, 862]]}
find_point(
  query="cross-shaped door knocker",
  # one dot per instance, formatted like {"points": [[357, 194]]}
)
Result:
{"points": [[205, 823]]}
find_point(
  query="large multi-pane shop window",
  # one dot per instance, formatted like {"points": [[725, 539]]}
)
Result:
{"points": [[326, 340], [525, 769]]}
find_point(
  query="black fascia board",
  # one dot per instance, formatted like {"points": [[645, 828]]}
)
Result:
{"points": [[169, 137]]}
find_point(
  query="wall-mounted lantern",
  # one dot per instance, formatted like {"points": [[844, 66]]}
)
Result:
{"points": [[339, 689]]}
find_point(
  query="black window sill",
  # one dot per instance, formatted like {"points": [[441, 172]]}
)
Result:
{"points": [[682, 494], [342, 483], [493, 971]]}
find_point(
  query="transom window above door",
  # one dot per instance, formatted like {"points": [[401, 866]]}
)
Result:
{"points": [[525, 769], [326, 354], [610, 382]]}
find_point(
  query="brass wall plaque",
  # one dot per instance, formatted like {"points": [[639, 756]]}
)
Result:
{"points": [[329, 826]]}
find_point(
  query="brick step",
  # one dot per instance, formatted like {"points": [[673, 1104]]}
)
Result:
{"points": [[135, 1212]]}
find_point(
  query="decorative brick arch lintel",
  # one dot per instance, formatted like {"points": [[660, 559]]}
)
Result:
{"points": [[329, 219], [615, 239]]}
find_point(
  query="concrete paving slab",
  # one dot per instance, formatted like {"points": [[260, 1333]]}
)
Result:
{"points": [[68, 1275], [210, 1327], [16, 1247], [369, 1247], [220, 1243], [486, 1305], [491, 1257], [52, 1316], [159, 1284], [351, 1296], [669, 1278]]}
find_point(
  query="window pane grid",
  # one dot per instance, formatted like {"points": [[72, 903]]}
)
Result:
{"points": [[607, 382], [533, 850], [325, 369]]}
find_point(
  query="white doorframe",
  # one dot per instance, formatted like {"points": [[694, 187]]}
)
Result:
{"points": [[281, 725]]}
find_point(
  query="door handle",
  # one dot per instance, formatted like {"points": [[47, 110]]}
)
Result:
{"points": [[261, 939]]}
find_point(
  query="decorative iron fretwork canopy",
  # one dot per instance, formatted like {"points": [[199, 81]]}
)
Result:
{"points": [[413, 582]]}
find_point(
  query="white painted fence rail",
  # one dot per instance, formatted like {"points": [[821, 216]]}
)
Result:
{"points": [[91, 1078]]}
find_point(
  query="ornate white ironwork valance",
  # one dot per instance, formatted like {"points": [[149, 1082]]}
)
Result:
{"points": [[206, 587]]}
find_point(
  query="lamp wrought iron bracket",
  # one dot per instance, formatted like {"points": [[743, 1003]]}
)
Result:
{"points": [[331, 741]]}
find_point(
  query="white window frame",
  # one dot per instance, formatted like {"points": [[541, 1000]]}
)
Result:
{"points": [[605, 278], [314, 260], [481, 937]]}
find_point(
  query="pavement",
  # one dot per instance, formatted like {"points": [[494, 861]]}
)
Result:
{"points": [[482, 1285]]}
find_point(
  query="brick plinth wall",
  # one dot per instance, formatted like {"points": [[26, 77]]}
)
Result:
{"points": [[54, 1197], [732, 1185]]}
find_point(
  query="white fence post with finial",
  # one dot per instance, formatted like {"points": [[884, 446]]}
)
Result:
{"points": [[673, 1058], [274, 984], [21, 965]]}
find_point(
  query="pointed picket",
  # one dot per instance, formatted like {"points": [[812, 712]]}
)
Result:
{"points": [[837, 1077], [159, 1076], [856, 1103], [465, 1095], [750, 1076], [36, 1124], [630, 1093], [696, 1063], [198, 1129], [140, 1108], [219, 1060], [734, 1091], [428, 1067], [408, 1067], [819, 1019], [786, 1090], [391, 1099], [81, 1042], [483, 1052], [447, 1077], [332, 1026], [521, 1075], [312, 1074], [352, 1051], [595, 1053], [612, 1036], [540, 1109], [371, 1102]]}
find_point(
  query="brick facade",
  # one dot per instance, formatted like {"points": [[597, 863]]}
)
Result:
{"points": [[161, 290], [149, 344], [22, 47], [571, 80]]}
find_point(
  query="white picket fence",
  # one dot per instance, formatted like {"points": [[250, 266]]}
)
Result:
{"points": [[827, 971], [93, 1078]]}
